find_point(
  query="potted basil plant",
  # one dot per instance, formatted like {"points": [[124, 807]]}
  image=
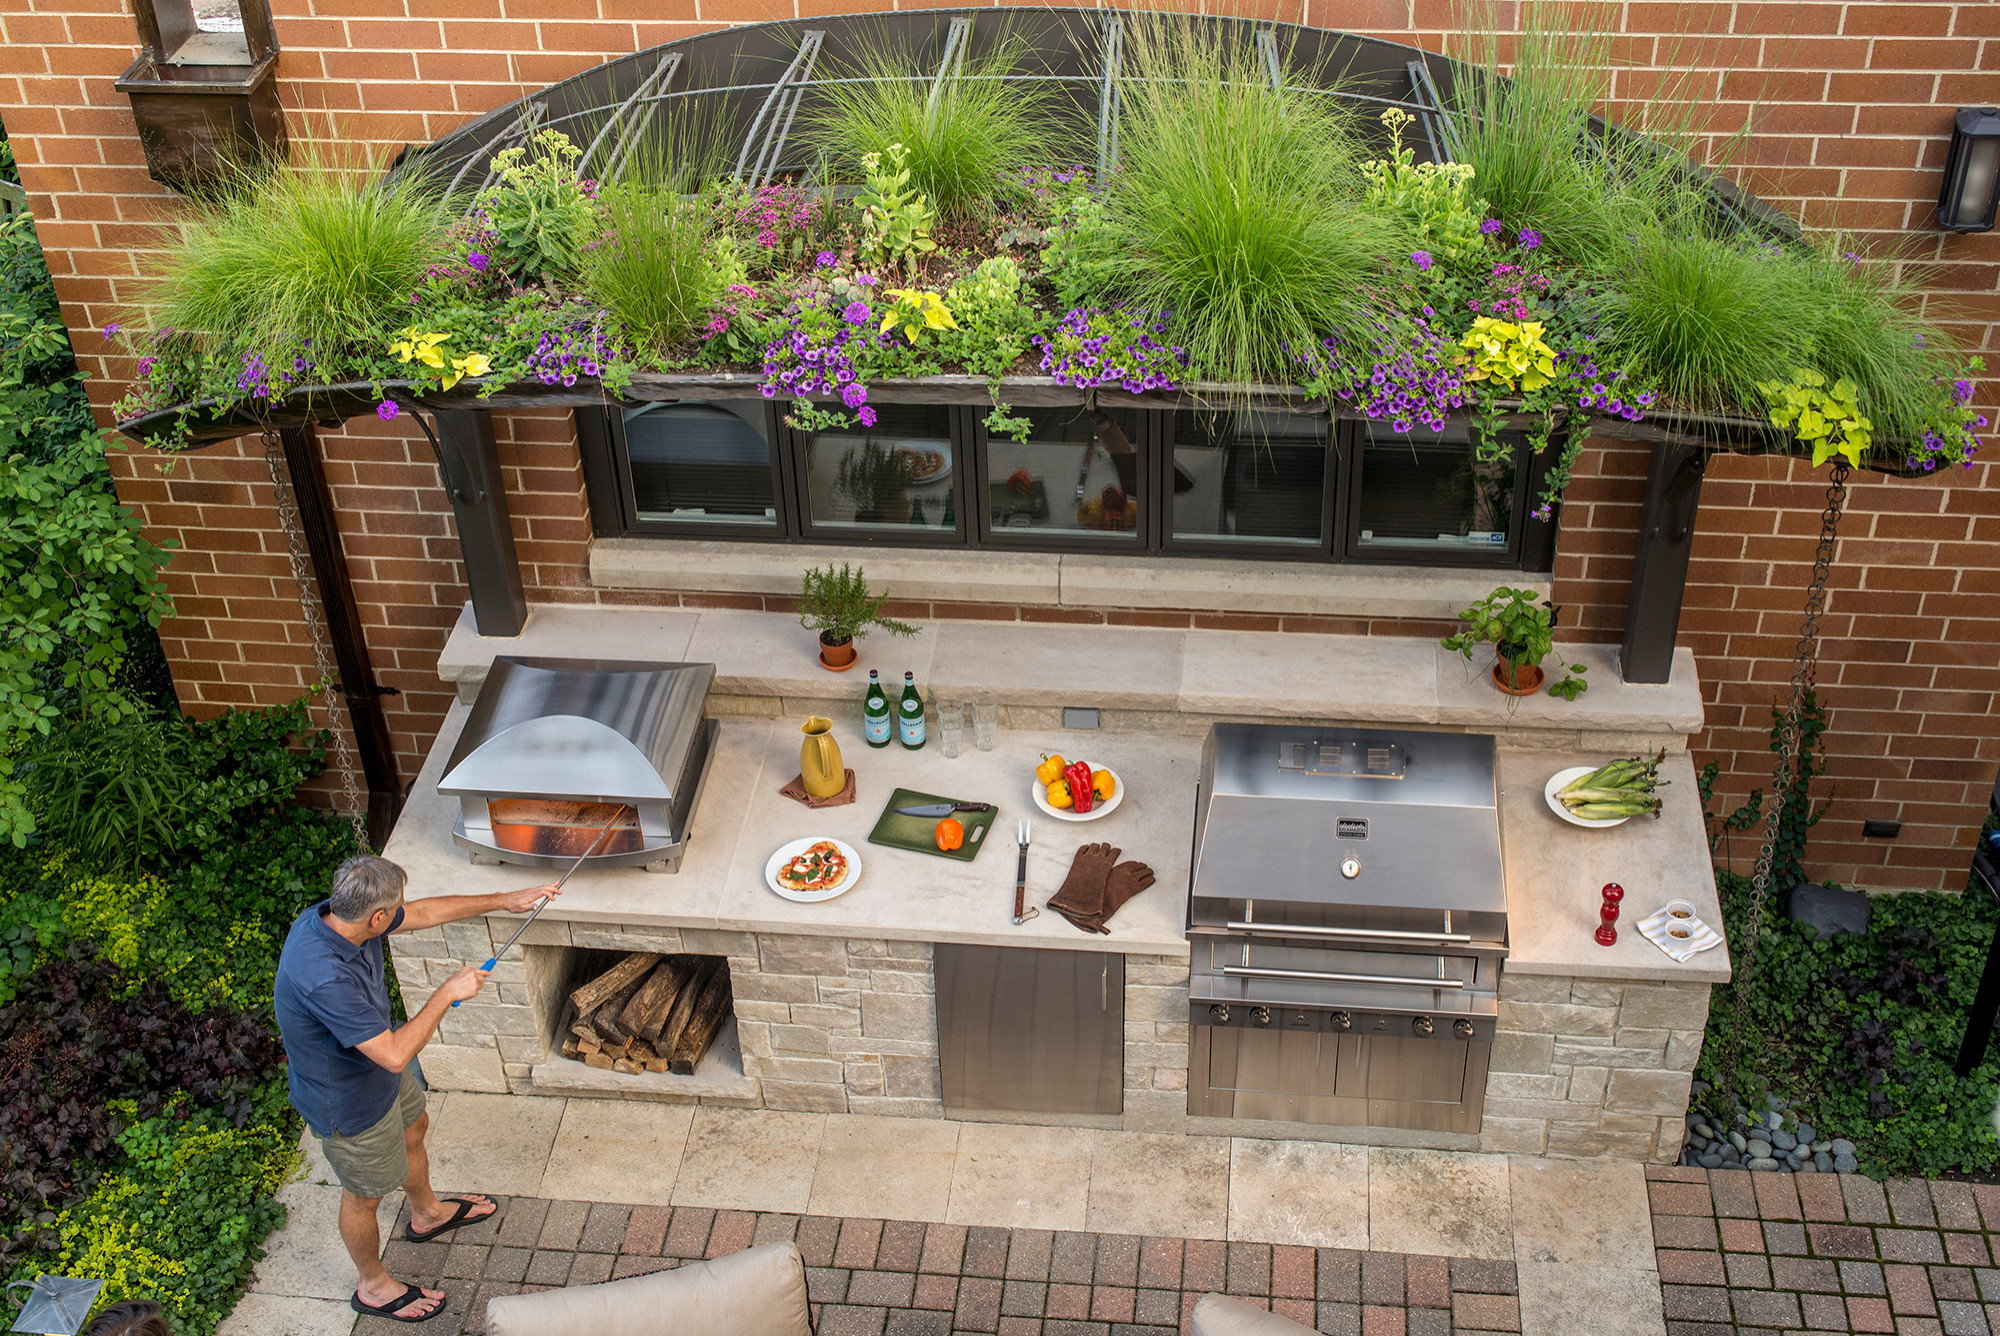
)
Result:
{"points": [[836, 603], [1521, 630]]}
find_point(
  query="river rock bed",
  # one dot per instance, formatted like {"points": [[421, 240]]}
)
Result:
{"points": [[1771, 1139]]}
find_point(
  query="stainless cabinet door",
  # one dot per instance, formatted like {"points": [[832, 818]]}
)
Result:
{"points": [[1030, 1030]]}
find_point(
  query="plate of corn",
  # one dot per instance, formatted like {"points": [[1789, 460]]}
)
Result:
{"points": [[1607, 795]]}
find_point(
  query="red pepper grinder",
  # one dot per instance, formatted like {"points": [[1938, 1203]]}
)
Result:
{"points": [[1607, 914]]}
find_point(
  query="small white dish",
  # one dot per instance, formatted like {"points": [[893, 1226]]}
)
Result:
{"points": [[797, 847], [1662, 927], [1561, 780], [1039, 792]]}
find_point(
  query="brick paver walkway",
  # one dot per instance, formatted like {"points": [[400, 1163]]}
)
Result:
{"points": [[898, 1278], [1745, 1252]]}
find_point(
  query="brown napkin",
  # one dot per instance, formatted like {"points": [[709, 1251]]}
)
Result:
{"points": [[796, 791], [1082, 893]]}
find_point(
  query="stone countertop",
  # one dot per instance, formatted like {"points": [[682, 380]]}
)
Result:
{"points": [[901, 895], [1396, 680], [1556, 873], [1554, 870]]}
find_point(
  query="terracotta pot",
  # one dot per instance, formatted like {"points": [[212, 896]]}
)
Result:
{"points": [[1525, 680], [836, 656]]}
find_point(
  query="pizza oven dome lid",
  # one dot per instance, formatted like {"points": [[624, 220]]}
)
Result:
{"points": [[585, 729]]}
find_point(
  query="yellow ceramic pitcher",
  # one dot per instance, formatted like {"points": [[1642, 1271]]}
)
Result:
{"points": [[820, 768]]}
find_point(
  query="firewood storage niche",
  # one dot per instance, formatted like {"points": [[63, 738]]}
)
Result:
{"points": [[635, 1012]]}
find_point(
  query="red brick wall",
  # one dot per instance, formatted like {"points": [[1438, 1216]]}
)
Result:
{"points": [[1847, 105]]}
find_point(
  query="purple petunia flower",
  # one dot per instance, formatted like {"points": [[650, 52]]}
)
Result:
{"points": [[1421, 259], [387, 410], [477, 261], [825, 259], [1492, 227], [1529, 238]]}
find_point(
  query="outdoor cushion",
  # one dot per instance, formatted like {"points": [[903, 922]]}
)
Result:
{"points": [[1217, 1316], [758, 1292]]}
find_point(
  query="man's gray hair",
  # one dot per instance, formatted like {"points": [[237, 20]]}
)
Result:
{"points": [[364, 884]]}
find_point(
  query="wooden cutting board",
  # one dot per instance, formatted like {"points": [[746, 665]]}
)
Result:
{"points": [[919, 833]]}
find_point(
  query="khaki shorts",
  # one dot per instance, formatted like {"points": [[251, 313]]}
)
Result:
{"points": [[374, 1163]]}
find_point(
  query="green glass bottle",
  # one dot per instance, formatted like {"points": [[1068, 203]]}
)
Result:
{"points": [[876, 721], [910, 715]]}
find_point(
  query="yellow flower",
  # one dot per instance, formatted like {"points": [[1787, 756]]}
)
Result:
{"points": [[472, 364]]}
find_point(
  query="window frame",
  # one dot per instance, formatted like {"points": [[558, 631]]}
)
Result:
{"points": [[607, 483]]}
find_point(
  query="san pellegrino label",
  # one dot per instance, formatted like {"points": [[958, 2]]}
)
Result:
{"points": [[910, 715], [875, 714]]}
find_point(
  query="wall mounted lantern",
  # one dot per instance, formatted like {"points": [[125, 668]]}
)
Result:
{"points": [[204, 94], [1971, 172]]}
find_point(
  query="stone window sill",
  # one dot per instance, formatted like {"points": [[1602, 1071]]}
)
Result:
{"points": [[1059, 580]]}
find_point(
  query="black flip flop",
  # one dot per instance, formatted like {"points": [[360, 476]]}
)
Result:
{"points": [[459, 1218], [410, 1295]]}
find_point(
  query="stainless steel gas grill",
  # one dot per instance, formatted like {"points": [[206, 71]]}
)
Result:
{"points": [[1347, 920], [554, 747]]}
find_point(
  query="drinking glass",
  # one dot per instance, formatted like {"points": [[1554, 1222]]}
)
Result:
{"points": [[985, 720], [951, 726]]}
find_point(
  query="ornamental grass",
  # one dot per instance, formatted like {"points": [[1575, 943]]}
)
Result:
{"points": [[1236, 206], [299, 259]]}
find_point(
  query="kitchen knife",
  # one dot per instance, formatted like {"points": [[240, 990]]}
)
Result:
{"points": [[940, 809]]}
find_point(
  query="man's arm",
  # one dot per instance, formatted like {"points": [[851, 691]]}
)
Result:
{"points": [[396, 1049], [435, 909]]}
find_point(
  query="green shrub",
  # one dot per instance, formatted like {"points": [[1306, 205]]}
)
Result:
{"points": [[298, 261], [183, 1218], [1236, 206], [652, 271], [965, 140], [542, 216]]}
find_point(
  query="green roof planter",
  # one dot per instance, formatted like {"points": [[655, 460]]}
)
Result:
{"points": [[1246, 236]]}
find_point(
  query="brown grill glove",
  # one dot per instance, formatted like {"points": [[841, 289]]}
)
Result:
{"points": [[1126, 880], [1082, 893]]}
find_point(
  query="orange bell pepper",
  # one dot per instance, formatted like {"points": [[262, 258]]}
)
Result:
{"points": [[950, 834]]}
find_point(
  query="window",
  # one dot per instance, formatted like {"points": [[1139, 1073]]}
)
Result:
{"points": [[1254, 482]]}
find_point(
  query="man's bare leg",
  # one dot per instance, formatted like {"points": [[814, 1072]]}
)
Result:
{"points": [[426, 1211], [364, 1245]]}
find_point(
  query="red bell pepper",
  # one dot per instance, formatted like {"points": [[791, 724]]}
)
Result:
{"points": [[1078, 775]]}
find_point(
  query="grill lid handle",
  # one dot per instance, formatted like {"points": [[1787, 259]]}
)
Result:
{"points": [[1375, 934], [1316, 976]]}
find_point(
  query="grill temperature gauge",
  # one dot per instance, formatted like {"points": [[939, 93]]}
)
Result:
{"points": [[1350, 867]]}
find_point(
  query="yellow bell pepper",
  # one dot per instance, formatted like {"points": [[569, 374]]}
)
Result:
{"points": [[1051, 768], [1059, 794], [1102, 785]]}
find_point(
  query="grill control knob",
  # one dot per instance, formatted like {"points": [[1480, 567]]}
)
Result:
{"points": [[1260, 1015], [1340, 1020], [1422, 1025], [1463, 1029], [1220, 1015], [1350, 867]]}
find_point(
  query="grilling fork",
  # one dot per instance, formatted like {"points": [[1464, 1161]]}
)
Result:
{"points": [[543, 903], [1022, 913]]}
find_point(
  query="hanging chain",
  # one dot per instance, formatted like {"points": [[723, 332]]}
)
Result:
{"points": [[354, 808], [1805, 673]]}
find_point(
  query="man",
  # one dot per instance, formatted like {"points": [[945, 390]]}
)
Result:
{"points": [[354, 1075]]}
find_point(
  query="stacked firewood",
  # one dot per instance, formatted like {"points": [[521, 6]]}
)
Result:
{"points": [[650, 1013]]}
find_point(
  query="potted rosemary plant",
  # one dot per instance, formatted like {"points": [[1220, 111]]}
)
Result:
{"points": [[1521, 631], [836, 603]]}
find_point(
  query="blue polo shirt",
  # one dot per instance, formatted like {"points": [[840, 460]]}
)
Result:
{"points": [[331, 995]]}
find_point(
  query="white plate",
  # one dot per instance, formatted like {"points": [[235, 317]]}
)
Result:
{"points": [[1560, 780], [797, 847], [1040, 793], [1700, 936], [939, 476]]}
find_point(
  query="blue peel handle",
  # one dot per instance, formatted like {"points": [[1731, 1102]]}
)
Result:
{"points": [[491, 961]]}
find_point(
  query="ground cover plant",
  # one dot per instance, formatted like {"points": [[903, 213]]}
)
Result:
{"points": [[1561, 272]]}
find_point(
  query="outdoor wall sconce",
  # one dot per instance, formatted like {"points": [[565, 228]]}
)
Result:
{"points": [[1971, 172], [204, 100]]}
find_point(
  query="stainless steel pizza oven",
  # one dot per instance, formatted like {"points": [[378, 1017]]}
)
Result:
{"points": [[553, 747], [1347, 920]]}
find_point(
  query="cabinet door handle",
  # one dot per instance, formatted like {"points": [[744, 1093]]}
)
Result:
{"points": [[1104, 987]]}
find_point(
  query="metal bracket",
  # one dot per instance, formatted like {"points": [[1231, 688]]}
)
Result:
{"points": [[1107, 97], [1439, 129], [465, 493], [646, 95], [522, 126], [1267, 46], [774, 118], [956, 39]]}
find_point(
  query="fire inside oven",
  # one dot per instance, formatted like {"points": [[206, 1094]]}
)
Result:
{"points": [[562, 829]]}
